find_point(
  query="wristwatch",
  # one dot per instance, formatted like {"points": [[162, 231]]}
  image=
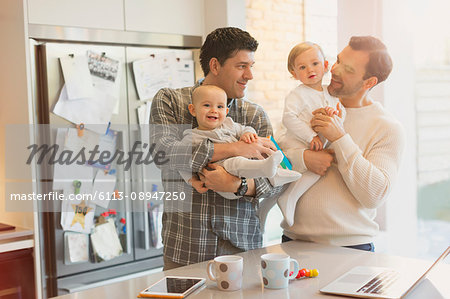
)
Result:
{"points": [[242, 188]]}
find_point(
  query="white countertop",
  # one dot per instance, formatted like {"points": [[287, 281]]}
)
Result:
{"points": [[16, 239], [331, 262]]}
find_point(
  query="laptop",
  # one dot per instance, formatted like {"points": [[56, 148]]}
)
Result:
{"points": [[376, 282]]}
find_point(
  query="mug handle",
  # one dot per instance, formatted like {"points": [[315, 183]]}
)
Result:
{"points": [[209, 270], [296, 268]]}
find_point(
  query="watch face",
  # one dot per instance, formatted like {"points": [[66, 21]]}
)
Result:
{"points": [[242, 188]]}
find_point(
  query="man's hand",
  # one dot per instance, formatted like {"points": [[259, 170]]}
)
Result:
{"points": [[216, 178], [260, 149], [331, 127], [318, 162], [316, 144], [197, 184], [248, 137]]}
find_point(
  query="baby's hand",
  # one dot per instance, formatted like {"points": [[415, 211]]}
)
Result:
{"points": [[197, 184], [316, 144], [331, 111], [249, 137]]}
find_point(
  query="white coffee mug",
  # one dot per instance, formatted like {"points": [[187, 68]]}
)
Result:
{"points": [[275, 268], [228, 272]]}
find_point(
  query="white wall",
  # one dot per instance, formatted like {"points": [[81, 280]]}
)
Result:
{"points": [[14, 96], [223, 13], [400, 99], [357, 17], [381, 18]]}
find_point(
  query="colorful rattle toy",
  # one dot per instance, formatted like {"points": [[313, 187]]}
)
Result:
{"points": [[307, 273]]}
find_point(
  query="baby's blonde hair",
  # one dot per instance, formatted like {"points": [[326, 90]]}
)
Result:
{"points": [[299, 49]]}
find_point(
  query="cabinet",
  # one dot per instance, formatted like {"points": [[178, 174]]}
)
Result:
{"points": [[18, 281], [17, 264], [172, 16], [99, 14]]}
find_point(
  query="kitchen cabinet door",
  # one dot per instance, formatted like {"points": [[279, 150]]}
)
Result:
{"points": [[172, 16], [99, 14]]}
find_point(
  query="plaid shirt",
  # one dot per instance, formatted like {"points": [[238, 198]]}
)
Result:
{"points": [[192, 236]]}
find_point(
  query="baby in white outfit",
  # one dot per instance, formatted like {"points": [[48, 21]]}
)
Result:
{"points": [[209, 106], [306, 63]]}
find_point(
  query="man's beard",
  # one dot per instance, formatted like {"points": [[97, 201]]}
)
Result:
{"points": [[343, 90]]}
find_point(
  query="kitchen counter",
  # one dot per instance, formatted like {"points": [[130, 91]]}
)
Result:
{"points": [[331, 261], [16, 239]]}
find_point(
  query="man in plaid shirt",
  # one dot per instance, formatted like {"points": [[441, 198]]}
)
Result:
{"points": [[212, 225]]}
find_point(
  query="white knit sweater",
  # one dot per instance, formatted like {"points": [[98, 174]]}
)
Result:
{"points": [[340, 208]]}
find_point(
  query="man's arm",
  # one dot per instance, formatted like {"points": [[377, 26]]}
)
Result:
{"points": [[369, 177], [218, 179], [259, 149]]}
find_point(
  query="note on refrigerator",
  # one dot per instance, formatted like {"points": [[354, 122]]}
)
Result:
{"points": [[106, 74], [76, 247], [85, 143], [77, 215], [65, 174], [76, 76], [95, 113], [155, 223], [106, 144], [105, 241], [184, 73], [153, 73], [103, 185], [141, 114]]}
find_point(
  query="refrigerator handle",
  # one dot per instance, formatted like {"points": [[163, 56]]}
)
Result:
{"points": [[127, 183], [144, 189]]}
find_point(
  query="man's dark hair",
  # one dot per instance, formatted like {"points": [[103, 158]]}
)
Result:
{"points": [[224, 43], [380, 63]]}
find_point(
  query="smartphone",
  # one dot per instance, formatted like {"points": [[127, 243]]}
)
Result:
{"points": [[173, 287]]}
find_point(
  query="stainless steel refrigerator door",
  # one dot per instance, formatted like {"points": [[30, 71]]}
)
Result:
{"points": [[53, 79], [148, 177]]}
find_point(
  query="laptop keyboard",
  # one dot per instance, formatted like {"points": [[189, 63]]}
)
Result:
{"points": [[380, 283]]}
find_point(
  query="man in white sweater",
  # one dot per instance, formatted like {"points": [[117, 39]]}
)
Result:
{"points": [[340, 208]]}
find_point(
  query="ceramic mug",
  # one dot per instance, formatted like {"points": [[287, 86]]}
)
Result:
{"points": [[275, 268], [227, 272]]}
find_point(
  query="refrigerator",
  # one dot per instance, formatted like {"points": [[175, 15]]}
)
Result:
{"points": [[60, 275]]}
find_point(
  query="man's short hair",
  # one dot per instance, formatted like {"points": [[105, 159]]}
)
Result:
{"points": [[224, 43], [380, 63]]}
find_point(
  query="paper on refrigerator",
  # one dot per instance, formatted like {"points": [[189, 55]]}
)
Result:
{"points": [[65, 174], [76, 247], [184, 73], [143, 112], [106, 75], [77, 77], [105, 241], [104, 184], [76, 143], [95, 113], [153, 73], [77, 215]]}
